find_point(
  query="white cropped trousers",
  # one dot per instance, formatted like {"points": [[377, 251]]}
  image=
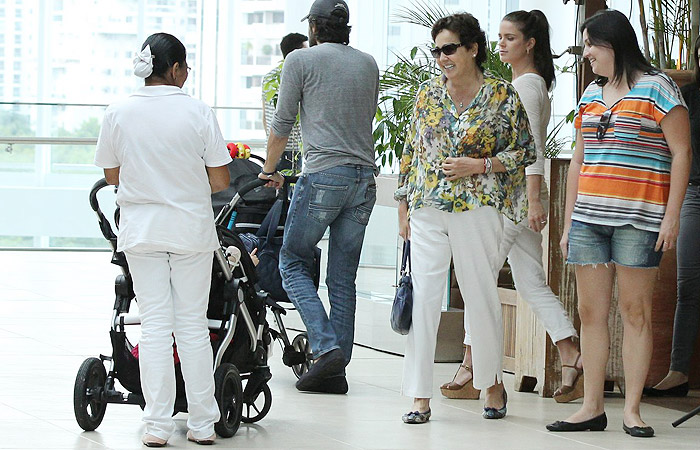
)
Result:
{"points": [[172, 291], [472, 239], [523, 248]]}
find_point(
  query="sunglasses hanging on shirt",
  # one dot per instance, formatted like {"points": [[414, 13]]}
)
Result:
{"points": [[603, 124]]}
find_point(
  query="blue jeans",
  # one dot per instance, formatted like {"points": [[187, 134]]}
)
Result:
{"points": [[687, 321], [340, 198]]}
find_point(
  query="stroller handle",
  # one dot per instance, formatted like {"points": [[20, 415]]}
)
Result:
{"points": [[225, 212], [249, 186], [99, 184]]}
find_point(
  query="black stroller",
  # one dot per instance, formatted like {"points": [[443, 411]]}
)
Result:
{"points": [[243, 209], [239, 334]]}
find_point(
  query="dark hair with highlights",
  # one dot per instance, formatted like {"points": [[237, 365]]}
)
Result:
{"points": [[166, 50], [534, 25], [467, 27], [610, 28]]}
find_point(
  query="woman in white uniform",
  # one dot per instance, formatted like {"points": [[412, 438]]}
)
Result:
{"points": [[165, 151], [524, 44]]}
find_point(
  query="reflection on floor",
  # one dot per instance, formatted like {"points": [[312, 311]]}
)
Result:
{"points": [[55, 313]]}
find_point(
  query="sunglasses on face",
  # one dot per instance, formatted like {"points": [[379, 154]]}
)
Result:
{"points": [[603, 124], [447, 49]]}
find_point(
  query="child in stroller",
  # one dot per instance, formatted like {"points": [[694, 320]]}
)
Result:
{"points": [[239, 331], [256, 214]]}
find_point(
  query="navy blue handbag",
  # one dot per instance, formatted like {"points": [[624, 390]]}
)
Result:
{"points": [[402, 308]]}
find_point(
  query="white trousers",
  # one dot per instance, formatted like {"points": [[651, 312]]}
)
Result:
{"points": [[172, 291], [472, 239], [523, 248]]}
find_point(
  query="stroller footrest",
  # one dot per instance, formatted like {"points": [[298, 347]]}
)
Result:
{"points": [[291, 357]]}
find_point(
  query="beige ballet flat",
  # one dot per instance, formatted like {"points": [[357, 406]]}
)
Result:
{"points": [[152, 441], [205, 441]]}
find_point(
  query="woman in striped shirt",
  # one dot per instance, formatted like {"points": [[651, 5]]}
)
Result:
{"points": [[625, 188]]}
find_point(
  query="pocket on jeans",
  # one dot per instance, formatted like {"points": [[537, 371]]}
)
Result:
{"points": [[361, 214], [326, 201]]}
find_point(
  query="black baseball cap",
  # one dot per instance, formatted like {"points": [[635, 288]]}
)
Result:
{"points": [[325, 9]]}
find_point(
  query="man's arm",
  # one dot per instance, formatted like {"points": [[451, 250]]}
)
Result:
{"points": [[275, 147]]}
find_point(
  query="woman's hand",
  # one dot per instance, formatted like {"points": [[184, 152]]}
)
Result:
{"points": [[463, 166], [536, 215], [668, 233], [564, 243], [404, 225]]}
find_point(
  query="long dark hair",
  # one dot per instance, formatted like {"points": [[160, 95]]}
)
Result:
{"points": [[534, 25], [610, 28], [166, 50], [467, 27]]}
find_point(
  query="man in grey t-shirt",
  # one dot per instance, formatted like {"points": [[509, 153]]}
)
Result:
{"points": [[334, 88]]}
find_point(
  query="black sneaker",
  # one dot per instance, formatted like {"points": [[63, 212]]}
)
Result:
{"points": [[337, 384], [328, 365]]}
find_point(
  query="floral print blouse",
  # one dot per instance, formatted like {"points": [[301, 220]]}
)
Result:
{"points": [[494, 124]]}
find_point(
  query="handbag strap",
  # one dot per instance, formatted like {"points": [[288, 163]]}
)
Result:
{"points": [[269, 225], [406, 258]]}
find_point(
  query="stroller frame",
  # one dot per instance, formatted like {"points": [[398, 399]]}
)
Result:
{"points": [[296, 353], [95, 387]]}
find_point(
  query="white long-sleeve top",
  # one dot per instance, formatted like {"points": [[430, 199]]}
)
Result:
{"points": [[532, 90]]}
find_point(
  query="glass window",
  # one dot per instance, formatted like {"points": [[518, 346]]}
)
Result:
{"points": [[256, 17], [254, 81], [278, 17]]}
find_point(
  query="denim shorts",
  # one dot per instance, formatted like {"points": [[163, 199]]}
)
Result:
{"points": [[603, 244]]}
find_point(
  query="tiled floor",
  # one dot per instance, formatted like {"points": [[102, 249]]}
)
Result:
{"points": [[55, 311]]}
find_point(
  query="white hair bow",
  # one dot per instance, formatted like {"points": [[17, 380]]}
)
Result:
{"points": [[143, 63]]}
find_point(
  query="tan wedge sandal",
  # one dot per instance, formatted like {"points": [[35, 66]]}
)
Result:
{"points": [[567, 393], [461, 391]]}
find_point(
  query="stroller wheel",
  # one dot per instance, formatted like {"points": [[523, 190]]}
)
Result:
{"points": [[300, 343], [229, 396], [258, 405], [88, 403]]}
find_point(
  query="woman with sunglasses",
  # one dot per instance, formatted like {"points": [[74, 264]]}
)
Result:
{"points": [[523, 42], [165, 151], [625, 187], [462, 167]]}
